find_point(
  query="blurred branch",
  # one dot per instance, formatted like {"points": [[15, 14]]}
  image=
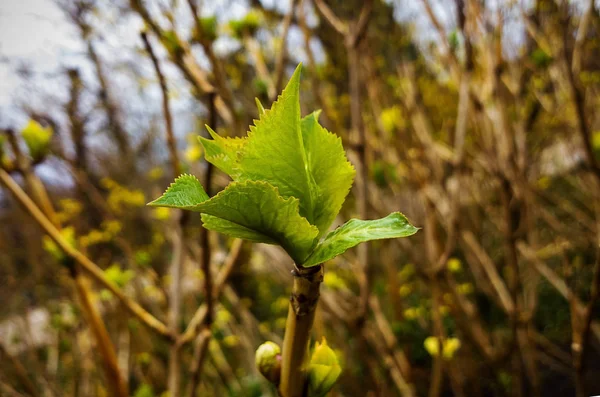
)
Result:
{"points": [[20, 370], [331, 18], [259, 63], [581, 326], [180, 53], [582, 33], [171, 142], [216, 63], [111, 366], [200, 315], [203, 339], [107, 351], [282, 50], [89, 266], [353, 34]]}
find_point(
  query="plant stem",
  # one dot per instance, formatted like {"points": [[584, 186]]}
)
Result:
{"points": [[301, 314]]}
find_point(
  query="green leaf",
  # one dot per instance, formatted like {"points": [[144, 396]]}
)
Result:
{"points": [[275, 152], [184, 193], [356, 231], [235, 230], [257, 206], [252, 210], [222, 152], [330, 169], [298, 156]]}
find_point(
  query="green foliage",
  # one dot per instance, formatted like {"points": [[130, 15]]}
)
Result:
{"points": [[3, 158], [540, 58], [453, 40], [260, 86], [222, 152], [356, 231], [208, 26], [248, 25], [54, 250], [171, 42], [291, 177], [323, 370], [252, 210], [117, 276], [145, 390], [37, 139], [449, 346], [595, 144]]}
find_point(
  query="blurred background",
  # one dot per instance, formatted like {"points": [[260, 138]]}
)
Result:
{"points": [[475, 118]]}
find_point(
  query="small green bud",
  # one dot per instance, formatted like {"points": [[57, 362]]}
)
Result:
{"points": [[323, 370], [268, 361], [172, 43], [249, 24], [37, 139], [449, 347], [208, 26], [3, 159]]}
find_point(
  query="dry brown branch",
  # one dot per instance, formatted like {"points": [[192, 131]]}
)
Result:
{"points": [[282, 50], [171, 142]]}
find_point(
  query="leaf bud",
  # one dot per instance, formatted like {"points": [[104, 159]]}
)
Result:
{"points": [[268, 361], [323, 370]]}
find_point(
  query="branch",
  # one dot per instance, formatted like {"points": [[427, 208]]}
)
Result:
{"points": [[171, 142], [96, 272], [331, 18], [203, 338], [282, 51], [360, 29], [582, 32], [199, 316]]}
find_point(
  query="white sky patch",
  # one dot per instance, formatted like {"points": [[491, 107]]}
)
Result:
{"points": [[33, 33]]}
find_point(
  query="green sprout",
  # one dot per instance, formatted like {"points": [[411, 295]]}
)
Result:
{"points": [[290, 179]]}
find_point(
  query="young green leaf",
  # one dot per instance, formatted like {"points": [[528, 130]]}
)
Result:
{"points": [[330, 169], [291, 178], [223, 153], [252, 210], [356, 231], [275, 152], [259, 207], [235, 230], [184, 193]]}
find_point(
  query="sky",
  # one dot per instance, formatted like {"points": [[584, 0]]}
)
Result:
{"points": [[34, 32]]}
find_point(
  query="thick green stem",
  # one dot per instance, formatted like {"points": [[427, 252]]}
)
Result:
{"points": [[301, 314]]}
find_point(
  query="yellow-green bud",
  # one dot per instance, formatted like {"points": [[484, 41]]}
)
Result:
{"points": [[37, 139], [268, 361], [449, 347], [53, 249], [323, 370]]}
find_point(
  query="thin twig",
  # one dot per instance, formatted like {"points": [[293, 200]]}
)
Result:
{"points": [[171, 142], [282, 51], [198, 318]]}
